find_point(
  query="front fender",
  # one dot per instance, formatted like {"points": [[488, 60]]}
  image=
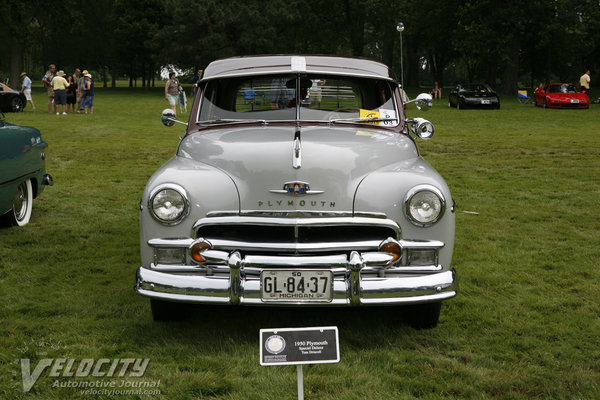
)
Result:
{"points": [[207, 188], [384, 191]]}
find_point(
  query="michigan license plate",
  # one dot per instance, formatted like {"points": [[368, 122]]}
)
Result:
{"points": [[574, 101], [485, 102], [304, 286]]}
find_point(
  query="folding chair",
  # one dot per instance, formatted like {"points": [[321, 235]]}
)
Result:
{"points": [[523, 97], [182, 102]]}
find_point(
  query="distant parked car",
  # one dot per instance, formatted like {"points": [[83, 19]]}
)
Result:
{"points": [[473, 95], [22, 171], [11, 100], [298, 182], [561, 95]]}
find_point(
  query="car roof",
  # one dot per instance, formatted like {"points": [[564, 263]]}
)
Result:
{"points": [[280, 64]]}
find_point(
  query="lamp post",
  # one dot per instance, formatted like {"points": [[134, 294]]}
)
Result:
{"points": [[400, 28]]}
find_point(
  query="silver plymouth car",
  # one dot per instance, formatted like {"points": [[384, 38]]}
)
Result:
{"points": [[298, 182]]}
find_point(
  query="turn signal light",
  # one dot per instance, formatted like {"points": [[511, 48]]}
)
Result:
{"points": [[392, 248], [197, 249]]}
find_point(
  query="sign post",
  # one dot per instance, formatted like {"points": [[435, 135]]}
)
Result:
{"points": [[298, 346]]}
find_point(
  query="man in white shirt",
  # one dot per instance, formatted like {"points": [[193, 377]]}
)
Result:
{"points": [[26, 88]]}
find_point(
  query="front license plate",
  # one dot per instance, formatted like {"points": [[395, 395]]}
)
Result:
{"points": [[297, 286], [574, 101], [485, 102]]}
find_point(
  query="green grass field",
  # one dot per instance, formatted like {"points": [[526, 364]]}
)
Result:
{"points": [[526, 324]]}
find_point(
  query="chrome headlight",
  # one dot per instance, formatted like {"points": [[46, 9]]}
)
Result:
{"points": [[169, 204], [424, 205]]}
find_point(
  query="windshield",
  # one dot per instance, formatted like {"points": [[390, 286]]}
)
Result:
{"points": [[305, 97], [563, 88], [477, 88]]}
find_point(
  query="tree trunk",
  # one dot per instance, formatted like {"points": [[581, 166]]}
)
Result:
{"points": [[511, 69], [16, 57]]}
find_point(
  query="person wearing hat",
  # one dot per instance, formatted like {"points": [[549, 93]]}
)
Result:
{"points": [[80, 85], [87, 102], [26, 88], [60, 85], [47, 81]]}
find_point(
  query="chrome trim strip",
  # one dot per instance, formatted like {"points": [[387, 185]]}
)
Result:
{"points": [[175, 242], [294, 247], [21, 178], [297, 156], [295, 214], [308, 221], [367, 214]]}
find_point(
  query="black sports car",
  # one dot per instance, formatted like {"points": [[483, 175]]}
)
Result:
{"points": [[473, 95], [11, 100]]}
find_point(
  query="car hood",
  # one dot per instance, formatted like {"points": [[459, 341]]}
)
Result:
{"points": [[578, 96], [333, 162]]}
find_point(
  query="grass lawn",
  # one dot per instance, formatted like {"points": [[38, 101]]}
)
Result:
{"points": [[526, 324]]}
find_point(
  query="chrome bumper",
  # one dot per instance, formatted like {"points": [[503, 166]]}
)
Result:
{"points": [[355, 282]]}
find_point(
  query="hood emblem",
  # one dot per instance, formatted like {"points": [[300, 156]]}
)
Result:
{"points": [[296, 189]]}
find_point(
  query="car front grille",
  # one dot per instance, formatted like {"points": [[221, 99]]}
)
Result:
{"points": [[295, 235]]}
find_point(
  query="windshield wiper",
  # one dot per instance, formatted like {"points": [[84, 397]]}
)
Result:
{"points": [[232, 121], [374, 119]]}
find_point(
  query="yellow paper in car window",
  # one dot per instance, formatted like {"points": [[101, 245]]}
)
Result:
{"points": [[369, 114]]}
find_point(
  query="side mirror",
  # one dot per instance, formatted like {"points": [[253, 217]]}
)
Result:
{"points": [[424, 102], [168, 118], [421, 128]]}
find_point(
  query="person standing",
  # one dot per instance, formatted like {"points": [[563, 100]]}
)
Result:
{"points": [[196, 80], [80, 85], [87, 101], [172, 91], [584, 82], [26, 88], [437, 91], [47, 81], [60, 85], [71, 93]]}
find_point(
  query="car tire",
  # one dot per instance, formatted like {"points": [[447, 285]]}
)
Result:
{"points": [[16, 104], [423, 316], [169, 311], [20, 213]]}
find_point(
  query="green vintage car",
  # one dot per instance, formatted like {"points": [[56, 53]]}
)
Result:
{"points": [[22, 171]]}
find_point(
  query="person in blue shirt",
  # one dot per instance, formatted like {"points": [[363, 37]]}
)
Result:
{"points": [[26, 88]]}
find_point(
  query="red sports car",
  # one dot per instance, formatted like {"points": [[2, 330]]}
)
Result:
{"points": [[561, 95]]}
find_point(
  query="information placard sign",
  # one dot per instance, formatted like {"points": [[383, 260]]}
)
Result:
{"points": [[295, 346]]}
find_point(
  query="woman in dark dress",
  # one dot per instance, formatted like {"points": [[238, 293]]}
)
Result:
{"points": [[71, 93]]}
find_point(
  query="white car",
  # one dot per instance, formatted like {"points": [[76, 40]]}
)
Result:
{"points": [[298, 182]]}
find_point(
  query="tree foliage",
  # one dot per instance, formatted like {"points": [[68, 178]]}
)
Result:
{"points": [[507, 44]]}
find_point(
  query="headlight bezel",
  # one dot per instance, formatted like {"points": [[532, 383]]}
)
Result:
{"points": [[184, 197], [408, 202]]}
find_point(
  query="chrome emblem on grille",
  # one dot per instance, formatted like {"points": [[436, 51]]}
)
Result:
{"points": [[296, 189]]}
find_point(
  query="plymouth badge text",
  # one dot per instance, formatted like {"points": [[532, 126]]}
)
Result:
{"points": [[296, 203]]}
